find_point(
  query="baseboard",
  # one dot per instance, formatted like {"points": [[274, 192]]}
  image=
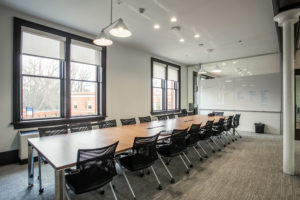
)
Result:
{"points": [[9, 157]]}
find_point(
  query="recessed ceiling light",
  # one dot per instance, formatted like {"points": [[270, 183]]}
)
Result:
{"points": [[223, 63], [228, 81], [173, 19], [234, 62], [196, 35], [156, 26], [181, 40]]}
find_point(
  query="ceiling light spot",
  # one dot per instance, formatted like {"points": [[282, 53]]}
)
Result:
{"points": [[234, 62], [181, 40], [156, 26], [196, 35], [173, 19], [224, 63]]}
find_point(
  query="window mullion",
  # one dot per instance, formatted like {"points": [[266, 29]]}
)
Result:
{"points": [[67, 95]]}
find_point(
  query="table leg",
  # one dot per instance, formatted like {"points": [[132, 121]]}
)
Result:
{"points": [[30, 166], [60, 192]]}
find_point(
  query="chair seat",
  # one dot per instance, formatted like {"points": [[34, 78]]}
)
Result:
{"points": [[88, 180], [168, 151], [137, 162]]}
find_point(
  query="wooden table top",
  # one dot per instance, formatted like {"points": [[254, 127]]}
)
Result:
{"points": [[61, 150]]}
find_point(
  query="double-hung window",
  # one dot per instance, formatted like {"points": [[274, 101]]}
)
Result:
{"points": [[165, 84], [59, 77]]}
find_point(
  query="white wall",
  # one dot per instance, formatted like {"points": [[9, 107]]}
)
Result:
{"points": [[128, 78]]}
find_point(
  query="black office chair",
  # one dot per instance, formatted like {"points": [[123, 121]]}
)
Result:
{"points": [[181, 115], [175, 147], [95, 168], [193, 137], [228, 125], [236, 123], [162, 117], [217, 131], [128, 121], [142, 157], [171, 116], [80, 127], [44, 132], [205, 135], [108, 124], [145, 119], [184, 111]]}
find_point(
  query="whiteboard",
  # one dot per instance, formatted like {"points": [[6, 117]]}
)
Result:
{"points": [[249, 93]]}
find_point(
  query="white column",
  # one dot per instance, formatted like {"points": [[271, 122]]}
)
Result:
{"points": [[287, 20]]}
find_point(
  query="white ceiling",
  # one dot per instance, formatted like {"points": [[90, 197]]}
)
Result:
{"points": [[220, 23]]}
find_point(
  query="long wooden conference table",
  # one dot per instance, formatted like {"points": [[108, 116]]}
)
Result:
{"points": [[60, 151]]}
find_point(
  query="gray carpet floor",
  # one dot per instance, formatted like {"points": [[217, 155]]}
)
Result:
{"points": [[248, 169]]}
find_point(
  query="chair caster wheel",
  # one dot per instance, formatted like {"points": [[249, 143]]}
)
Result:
{"points": [[206, 156], [191, 165], [167, 163], [114, 186], [224, 145], [41, 190], [219, 149], [148, 172], [201, 159], [172, 180], [228, 142], [240, 136], [214, 151], [102, 192], [187, 171], [160, 187]]}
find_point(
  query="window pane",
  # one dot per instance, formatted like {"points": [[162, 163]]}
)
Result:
{"points": [[171, 99], [42, 45], [83, 72], [41, 98], [171, 84], [38, 66], [83, 98], [156, 82], [157, 99]]}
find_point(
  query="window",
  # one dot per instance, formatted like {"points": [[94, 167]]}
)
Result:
{"points": [[58, 77], [165, 82]]}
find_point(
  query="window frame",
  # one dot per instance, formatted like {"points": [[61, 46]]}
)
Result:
{"points": [[65, 80], [165, 88]]}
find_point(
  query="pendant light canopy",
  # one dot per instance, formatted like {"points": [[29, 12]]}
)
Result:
{"points": [[103, 39], [120, 29]]}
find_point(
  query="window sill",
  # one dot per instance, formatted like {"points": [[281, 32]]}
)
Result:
{"points": [[58, 121], [164, 112]]}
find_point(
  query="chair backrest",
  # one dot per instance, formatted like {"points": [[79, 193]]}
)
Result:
{"points": [[218, 113], [208, 128], [236, 120], [128, 121], [57, 130], [145, 119], [228, 123], [182, 115], [171, 116], [177, 141], [220, 125], [108, 124], [101, 159], [162, 117], [193, 133], [145, 147], [184, 111], [80, 127]]}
